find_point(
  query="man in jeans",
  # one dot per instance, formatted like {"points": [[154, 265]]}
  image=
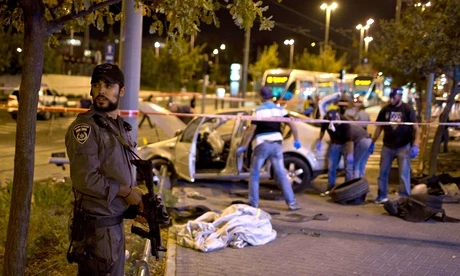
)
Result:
{"points": [[335, 149], [399, 141], [350, 140], [267, 145]]}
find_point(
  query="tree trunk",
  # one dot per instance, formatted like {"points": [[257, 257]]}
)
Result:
{"points": [[443, 118], [24, 160]]}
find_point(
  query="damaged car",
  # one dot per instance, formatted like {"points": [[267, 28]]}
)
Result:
{"points": [[206, 150]]}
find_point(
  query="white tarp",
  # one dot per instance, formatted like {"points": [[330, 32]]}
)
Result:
{"points": [[237, 226]]}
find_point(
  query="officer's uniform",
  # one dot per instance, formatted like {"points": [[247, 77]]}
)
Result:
{"points": [[99, 165]]}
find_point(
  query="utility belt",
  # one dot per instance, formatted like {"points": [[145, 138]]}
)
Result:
{"points": [[82, 223], [98, 222]]}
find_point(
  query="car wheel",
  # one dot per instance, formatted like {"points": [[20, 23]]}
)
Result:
{"points": [[298, 173], [350, 190], [163, 171]]}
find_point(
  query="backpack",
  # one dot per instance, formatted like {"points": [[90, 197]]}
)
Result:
{"points": [[418, 208]]}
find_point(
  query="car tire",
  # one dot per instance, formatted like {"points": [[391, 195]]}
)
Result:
{"points": [[350, 191], [157, 166], [299, 173]]}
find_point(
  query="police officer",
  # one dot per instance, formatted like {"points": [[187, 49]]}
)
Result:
{"points": [[102, 177]]}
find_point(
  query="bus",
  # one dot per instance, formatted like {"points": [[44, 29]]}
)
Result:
{"points": [[293, 87], [370, 89]]}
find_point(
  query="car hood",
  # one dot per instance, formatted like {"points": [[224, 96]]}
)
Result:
{"points": [[163, 149], [169, 124]]}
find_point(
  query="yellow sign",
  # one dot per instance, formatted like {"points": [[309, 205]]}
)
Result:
{"points": [[325, 84], [363, 82], [275, 79]]}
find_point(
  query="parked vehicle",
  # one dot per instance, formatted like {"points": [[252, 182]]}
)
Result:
{"points": [[206, 149], [46, 97]]}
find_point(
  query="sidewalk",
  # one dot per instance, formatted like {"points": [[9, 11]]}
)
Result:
{"points": [[356, 240]]}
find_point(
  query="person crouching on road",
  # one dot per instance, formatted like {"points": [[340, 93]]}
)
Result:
{"points": [[335, 150], [267, 145], [399, 141], [103, 179], [352, 141]]}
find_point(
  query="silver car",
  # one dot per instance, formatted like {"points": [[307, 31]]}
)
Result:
{"points": [[206, 149]]}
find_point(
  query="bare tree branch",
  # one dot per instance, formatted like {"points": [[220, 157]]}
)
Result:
{"points": [[58, 24]]}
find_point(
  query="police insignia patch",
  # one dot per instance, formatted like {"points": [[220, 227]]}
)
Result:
{"points": [[81, 132]]}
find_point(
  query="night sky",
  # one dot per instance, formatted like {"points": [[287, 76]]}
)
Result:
{"points": [[304, 16], [301, 20]]}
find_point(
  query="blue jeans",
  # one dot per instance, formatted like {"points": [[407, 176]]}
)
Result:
{"points": [[333, 158], [360, 156], [272, 151], [386, 158]]}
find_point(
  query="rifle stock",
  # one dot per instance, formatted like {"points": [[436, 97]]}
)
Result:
{"points": [[154, 209]]}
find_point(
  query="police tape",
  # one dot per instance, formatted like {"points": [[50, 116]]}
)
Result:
{"points": [[135, 113], [291, 119]]}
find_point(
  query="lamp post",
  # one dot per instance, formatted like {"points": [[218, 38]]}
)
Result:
{"points": [[216, 58], [368, 25], [367, 39], [361, 29], [215, 52], [157, 49], [328, 9], [290, 42]]}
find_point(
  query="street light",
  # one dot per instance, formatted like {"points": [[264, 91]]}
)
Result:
{"points": [[361, 29], [368, 25], [367, 39], [157, 49], [328, 9], [422, 6], [215, 52], [291, 53]]}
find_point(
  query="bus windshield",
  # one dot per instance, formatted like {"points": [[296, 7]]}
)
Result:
{"points": [[277, 83], [361, 85]]}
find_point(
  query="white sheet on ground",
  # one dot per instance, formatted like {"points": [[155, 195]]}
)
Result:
{"points": [[237, 226]]}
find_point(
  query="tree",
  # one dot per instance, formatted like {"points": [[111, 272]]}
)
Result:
{"points": [[325, 62], [10, 61], [268, 60], [38, 20], [425, 41]]}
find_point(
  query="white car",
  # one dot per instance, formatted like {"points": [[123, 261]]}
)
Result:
{"points": [[46, 97], [206, 149]]}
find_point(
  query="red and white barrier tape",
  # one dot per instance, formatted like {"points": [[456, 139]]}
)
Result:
{"points": [[135, 113]]}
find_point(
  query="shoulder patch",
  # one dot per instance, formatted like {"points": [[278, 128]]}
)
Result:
{"points": [[81, 132]]}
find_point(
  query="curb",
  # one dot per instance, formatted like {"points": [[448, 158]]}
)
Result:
{"points": [[170, 268]]}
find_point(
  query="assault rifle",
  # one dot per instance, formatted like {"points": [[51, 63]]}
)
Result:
{"points": [[154, 209]]}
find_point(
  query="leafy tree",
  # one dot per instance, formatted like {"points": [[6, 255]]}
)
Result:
{"points": [[424, 42], [173, 68], [324, 62], [52, 61], [10, 61], [38, 20], [149, 68], [268, 60]]}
